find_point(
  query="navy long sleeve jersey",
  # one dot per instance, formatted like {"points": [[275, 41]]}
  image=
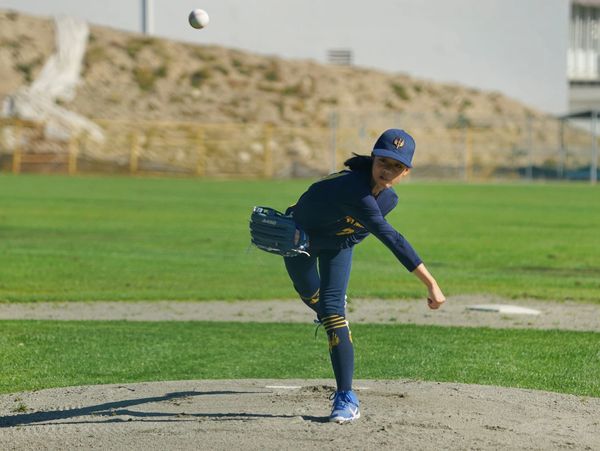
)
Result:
{"points": [[339, 211]]}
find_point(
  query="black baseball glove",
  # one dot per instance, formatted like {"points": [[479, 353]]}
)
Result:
{"points": [[275, 232]]}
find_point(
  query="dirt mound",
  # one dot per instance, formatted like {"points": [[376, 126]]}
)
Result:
{"points": [[292, 414], [129, 75]]}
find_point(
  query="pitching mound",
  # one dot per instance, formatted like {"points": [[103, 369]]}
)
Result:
{"points": [[292, 414]]}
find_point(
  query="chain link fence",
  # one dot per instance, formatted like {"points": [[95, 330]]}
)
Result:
{"points": [[453, 148]]}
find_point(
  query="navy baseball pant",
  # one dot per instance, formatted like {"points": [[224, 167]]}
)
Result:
{"points": [[321, 280]]}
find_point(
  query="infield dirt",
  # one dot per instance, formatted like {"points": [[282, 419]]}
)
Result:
{"points": [[292, 414], [553, 315]]}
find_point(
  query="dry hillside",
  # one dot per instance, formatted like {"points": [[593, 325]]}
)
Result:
{"points": [[128, 76]]}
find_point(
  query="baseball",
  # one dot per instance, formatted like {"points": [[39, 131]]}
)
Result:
{"points": [[199, 18]]}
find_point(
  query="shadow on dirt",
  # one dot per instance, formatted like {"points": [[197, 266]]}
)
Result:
{"points": [[113, 409]]}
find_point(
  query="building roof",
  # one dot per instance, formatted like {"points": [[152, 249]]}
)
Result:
{"points": [[586, 2], [583, 114]]}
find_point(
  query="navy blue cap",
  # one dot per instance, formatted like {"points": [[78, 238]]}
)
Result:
{"points": [[397, 144]]}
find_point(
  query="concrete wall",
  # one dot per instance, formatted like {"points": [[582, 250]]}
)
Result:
{"points": [[584, 97]]}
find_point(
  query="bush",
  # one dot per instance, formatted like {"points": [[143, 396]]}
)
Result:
{"points": [[161, 71], [199, 77], [241, 67], [271, 75], [93, 55], [272, 72], [400, 91], [461, 121], [202, 54], [466, 103], [222, 69], [145, 78], [27, 68], [134, 45], [291, 90]]}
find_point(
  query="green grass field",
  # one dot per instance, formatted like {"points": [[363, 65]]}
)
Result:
{"points": [[117, 238], [42, 354]]}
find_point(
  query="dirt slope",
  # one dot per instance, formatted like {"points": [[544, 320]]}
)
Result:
{"points": [[130, 75]]}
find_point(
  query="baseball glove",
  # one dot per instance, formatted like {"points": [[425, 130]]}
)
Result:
{"points": [[275, 232]]}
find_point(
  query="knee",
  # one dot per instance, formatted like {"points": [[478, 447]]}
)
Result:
{"points": [[311, 299]]}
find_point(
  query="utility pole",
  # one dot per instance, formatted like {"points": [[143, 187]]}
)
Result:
{"points": [[147, 17]]}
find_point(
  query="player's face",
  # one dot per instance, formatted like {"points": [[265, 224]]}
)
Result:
{"points": [[387, 172]]}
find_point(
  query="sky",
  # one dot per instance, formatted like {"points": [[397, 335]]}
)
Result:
{"points": [[517, 47]]}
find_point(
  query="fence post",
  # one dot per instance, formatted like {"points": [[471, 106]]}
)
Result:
{"points": [[73, 154], [562, 150], [529, 148], [268, 155], [201, 151], [594, 157], [333, 124], [468, 143], [16, 162], [134, 152]]}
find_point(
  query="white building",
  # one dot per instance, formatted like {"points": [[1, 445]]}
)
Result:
{"points": [[583, 66]]}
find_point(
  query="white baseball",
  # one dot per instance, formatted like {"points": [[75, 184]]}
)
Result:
{"points": [[199, 18]]}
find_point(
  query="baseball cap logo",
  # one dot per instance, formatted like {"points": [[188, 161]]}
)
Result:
{"points": [[398, 143]]}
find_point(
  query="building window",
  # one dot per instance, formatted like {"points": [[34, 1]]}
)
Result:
{"points": [[584, 42]]}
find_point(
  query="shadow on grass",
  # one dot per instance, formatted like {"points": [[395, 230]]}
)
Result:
{"points": [[112, 409]]}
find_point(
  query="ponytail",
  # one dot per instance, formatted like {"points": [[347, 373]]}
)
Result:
{"points": [[359, 162]]}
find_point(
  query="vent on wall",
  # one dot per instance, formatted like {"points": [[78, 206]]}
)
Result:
{"points": [[342, 57]]}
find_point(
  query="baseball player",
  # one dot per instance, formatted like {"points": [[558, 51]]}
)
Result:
{"points": [[337, 213]]}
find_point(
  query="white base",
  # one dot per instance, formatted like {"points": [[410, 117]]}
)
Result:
{"points": [[502, 308]]}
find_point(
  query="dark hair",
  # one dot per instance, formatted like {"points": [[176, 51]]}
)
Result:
{"points": [[359, 162]]}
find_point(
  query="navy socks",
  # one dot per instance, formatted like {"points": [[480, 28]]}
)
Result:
{"points": [[341, 350]]}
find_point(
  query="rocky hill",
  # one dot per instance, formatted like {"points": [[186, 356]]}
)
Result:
{"points": [[127, 76]]}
